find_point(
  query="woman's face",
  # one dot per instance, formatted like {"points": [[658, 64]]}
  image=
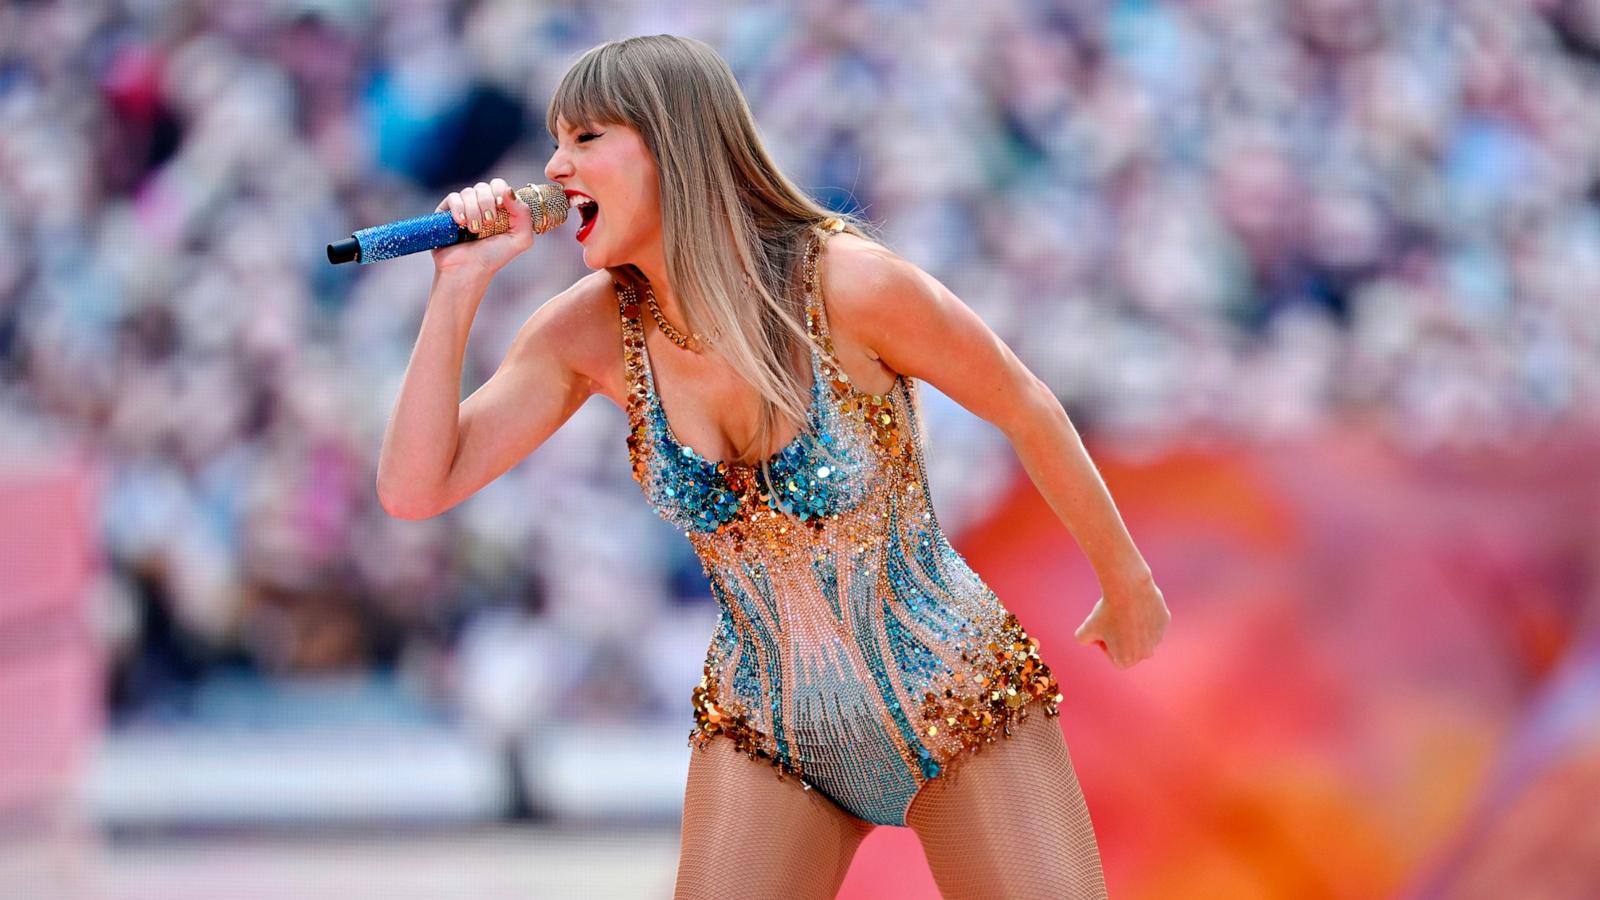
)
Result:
{"points": [[610, 164]]}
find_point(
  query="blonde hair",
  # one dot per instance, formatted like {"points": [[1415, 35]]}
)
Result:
{"points": [[734, 230]]}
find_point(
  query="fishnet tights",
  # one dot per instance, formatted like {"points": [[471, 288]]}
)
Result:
{"points": [[748, 835], [1010, 822]]}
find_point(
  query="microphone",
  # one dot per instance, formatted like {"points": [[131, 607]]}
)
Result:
{"points": [[547, 202]]}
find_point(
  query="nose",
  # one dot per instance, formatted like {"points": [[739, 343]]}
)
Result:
{"points": [[558, 167]]}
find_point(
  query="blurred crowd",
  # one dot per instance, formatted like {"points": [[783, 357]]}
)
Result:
{"points": [[1211, 220]]}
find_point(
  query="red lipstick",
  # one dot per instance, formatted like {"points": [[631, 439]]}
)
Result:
{"points": [[590, 211]]}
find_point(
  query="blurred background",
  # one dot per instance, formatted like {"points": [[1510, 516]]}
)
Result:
{"points": [[1317, 280]]}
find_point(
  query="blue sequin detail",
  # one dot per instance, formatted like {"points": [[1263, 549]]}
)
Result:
{"points": [[929, 545], [767, 640], [808, 482], [724, 637], [861, 601], [747, 673], [758, 577], [688, 484], [913, 656], [815, 475], [827, 576], [938, 618]]}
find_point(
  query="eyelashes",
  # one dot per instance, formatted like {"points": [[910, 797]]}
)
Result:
{"points": [[582, 139]]}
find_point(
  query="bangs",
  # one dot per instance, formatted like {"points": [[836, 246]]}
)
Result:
{"points": [[588, 94]]}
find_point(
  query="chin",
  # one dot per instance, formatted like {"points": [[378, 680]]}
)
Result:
{"points": [[596, 258]]}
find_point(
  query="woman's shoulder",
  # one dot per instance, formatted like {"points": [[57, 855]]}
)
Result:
{"points": [[864, 283], [857, 269], [584, 326], [586, 311]]}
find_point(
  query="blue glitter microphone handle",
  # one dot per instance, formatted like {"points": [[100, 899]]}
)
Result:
{"points": [[547, 203]]}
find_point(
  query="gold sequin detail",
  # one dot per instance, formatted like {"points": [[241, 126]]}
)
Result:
{"points": [[1012, 675], [713, 718]]}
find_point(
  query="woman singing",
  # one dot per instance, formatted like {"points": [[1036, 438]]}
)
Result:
{"points": [[768, 354]]}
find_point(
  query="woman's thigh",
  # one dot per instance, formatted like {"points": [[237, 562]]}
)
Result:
{"points": [[1010, 820], [748, 834]]}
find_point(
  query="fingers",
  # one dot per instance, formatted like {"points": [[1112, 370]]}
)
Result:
{"points": [[508, 199], [456, 202], [471, 206], [484, 197]]}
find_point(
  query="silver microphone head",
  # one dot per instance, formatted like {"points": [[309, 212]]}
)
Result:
{"points": [[548, 203]]}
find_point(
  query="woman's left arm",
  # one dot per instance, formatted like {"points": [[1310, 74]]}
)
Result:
{"points": [[917, 327]]}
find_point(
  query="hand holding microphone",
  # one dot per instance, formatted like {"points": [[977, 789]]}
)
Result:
{"points": [[456, 228], [486, 210]]}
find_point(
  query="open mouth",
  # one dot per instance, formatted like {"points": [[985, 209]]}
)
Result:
{"points": [[587, 209]]}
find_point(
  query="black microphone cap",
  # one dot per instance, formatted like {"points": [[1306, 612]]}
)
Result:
{"points": [[347, 250]]}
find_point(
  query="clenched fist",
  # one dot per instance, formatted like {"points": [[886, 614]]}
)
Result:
{"points": [[475, 207]]}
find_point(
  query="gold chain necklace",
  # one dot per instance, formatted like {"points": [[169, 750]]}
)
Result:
{"points": [[672, 334], [676, 336]]}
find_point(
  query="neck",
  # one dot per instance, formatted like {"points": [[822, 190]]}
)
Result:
{"points": [[654, 267]]}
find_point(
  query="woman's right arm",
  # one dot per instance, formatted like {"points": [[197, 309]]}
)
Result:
{"points": [[437, 449]]}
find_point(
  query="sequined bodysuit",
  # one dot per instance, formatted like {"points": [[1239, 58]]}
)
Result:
{"points": [[854, 648]]}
